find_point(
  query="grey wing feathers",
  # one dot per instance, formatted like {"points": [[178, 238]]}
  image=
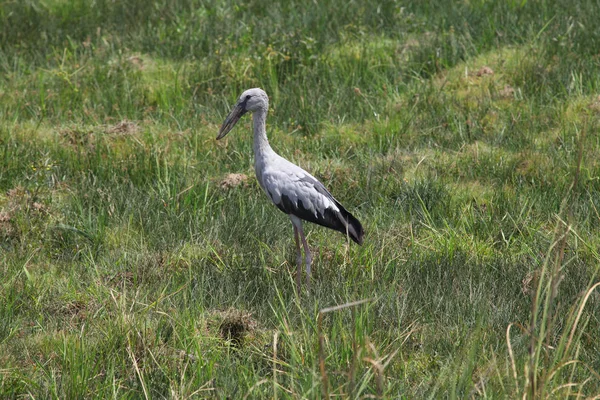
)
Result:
{"points": [[297, 192]]}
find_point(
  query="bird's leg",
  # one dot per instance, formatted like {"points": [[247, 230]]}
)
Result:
{"points": [[307, 255], [298, 259]]}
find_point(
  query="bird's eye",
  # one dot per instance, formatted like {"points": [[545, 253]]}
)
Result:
{"points": [[248, 97]]}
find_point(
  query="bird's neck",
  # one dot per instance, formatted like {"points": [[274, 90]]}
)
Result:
{"points": [[261, 143]]}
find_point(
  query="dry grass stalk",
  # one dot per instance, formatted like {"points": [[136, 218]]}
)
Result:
{"points": [[322, 369], [275, 337]]}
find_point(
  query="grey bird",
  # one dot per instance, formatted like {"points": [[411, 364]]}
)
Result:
{"points": [[293, 190]]}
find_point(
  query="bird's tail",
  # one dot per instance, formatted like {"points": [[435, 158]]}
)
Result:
{"points": [[354, 228]]}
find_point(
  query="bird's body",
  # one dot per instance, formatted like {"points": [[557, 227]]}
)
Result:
{"points": [[296, 192], [293, 190]]}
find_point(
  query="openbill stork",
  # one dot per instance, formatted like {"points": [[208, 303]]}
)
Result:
{"points": [[293, 190]]}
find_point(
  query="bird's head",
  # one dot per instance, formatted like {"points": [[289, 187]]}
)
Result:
{"points": [[251, 100]]}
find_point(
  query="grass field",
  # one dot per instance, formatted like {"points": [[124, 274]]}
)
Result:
{"points": [[464, 135]]}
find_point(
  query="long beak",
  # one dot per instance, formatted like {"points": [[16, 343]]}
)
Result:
{"points": [[232, 119]]}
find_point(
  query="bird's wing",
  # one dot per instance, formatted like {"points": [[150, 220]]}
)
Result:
{"points": [[295, 191], [285, 182]]}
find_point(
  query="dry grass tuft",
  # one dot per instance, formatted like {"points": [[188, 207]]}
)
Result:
{"points": [[235, 324], [137, 62], [76, 136], [485, 71], [8, 230], [526, 284], [507, 92], [125, 127], [234, 180], [595, 105]]}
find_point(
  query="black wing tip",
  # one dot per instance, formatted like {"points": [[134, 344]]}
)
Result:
{"points": [[355, 230], [359, 239]]}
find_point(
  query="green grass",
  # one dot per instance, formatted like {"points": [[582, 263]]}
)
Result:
{"points": [[129, 271]]}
